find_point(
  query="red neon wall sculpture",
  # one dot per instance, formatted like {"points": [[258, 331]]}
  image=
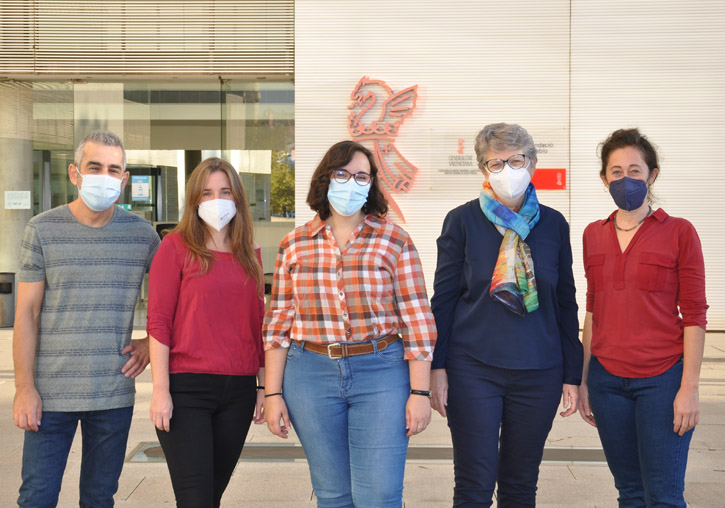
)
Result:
{"points": [[376, 114]]}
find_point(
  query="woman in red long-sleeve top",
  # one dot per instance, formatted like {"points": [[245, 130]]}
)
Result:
{"points": [[205, 313], [644, 330]]}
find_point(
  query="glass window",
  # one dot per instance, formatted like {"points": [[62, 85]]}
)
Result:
{"points": [[168, 127]]}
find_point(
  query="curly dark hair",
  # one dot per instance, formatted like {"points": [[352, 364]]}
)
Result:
{"points": [[336, 157], [628, 137]]}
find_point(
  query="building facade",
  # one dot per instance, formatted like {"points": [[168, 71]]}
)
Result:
{"points": [[431, 74], [270, 85]]}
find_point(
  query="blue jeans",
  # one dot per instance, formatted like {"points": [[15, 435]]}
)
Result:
{"points": [[350, 417], [45, 453], [635, 423], [499, 420]]}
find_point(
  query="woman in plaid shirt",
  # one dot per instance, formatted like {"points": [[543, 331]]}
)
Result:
{"points": [[349, 337]]}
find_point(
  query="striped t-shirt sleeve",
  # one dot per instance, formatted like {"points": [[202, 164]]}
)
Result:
{"points": [[153, 247], [32, 263]]}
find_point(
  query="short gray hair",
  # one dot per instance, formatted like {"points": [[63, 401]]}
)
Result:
{"points": [[105, 138], [503, 136]]}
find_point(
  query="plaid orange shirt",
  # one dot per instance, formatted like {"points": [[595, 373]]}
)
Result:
{"points": [[373, 288]]}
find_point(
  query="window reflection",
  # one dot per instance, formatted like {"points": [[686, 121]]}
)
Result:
{"points": [[168, 127]]}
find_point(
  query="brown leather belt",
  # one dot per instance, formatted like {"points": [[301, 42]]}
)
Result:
{"points": [[336, 350]]}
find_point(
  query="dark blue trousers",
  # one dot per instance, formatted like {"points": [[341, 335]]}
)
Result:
{"points": [[634, 420], [45, 453], [499, 421]]}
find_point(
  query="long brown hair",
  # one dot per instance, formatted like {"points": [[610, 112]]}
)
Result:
{"points": [[195, 232]]}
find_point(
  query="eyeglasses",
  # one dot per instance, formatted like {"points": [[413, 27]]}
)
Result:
{"points": [[518, 161], [343, 175]]}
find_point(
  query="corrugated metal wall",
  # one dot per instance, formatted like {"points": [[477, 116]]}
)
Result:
{"points": [[131, 38], [570, 72]]}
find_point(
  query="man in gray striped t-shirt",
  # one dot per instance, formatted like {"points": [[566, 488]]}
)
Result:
{"points": [[81, 269]]}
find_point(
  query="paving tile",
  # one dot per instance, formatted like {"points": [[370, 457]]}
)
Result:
{"points": [[705, 495], [427, 484]]}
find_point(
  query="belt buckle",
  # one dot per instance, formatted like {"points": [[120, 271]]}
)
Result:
{"points": [[329, 353]]}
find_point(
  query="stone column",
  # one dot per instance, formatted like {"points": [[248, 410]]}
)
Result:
{"points": [[16, 171]]}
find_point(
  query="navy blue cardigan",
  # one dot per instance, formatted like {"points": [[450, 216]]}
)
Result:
{"points": [[469, 322]]}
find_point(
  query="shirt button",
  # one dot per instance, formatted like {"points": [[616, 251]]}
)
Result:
{"points": [[344, 314], [339, 274], [348, 332], [342, 295]]}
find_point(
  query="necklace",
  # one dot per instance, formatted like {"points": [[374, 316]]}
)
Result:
{"points": [[627, 230]]}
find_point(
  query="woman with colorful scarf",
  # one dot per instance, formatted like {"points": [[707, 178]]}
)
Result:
{"points": [[508, 334]]}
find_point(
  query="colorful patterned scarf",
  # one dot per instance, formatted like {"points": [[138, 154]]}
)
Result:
{"points": [[513, 282]]}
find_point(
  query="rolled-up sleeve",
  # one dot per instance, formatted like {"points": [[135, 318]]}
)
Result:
{"points": [[278, 320], [691, 272], [164, 285], [418, 327]]}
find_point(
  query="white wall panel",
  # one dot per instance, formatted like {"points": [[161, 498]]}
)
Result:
{"points": [[660, 66], [475, 62], [570, 72]]}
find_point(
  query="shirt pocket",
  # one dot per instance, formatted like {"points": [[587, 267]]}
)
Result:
{"points": [[594, 270], [308, 282], [655, 271]]}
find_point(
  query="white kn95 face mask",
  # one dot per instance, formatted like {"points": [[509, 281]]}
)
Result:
{"points": [[217, 213]]}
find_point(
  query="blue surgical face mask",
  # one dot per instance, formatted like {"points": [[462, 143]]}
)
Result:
{"points": [[628, 193], [99, 192], [347, 198]]}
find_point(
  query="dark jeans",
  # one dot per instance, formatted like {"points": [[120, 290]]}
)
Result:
{"points": [[499, 421], [45, 453], [635, 423], [209, 424]]}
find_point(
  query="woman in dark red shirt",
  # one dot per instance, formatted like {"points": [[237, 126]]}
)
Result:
{"points": [[205, 312], [644, 330]]}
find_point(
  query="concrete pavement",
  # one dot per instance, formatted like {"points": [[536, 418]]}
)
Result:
{"points": [[573, 477]]}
